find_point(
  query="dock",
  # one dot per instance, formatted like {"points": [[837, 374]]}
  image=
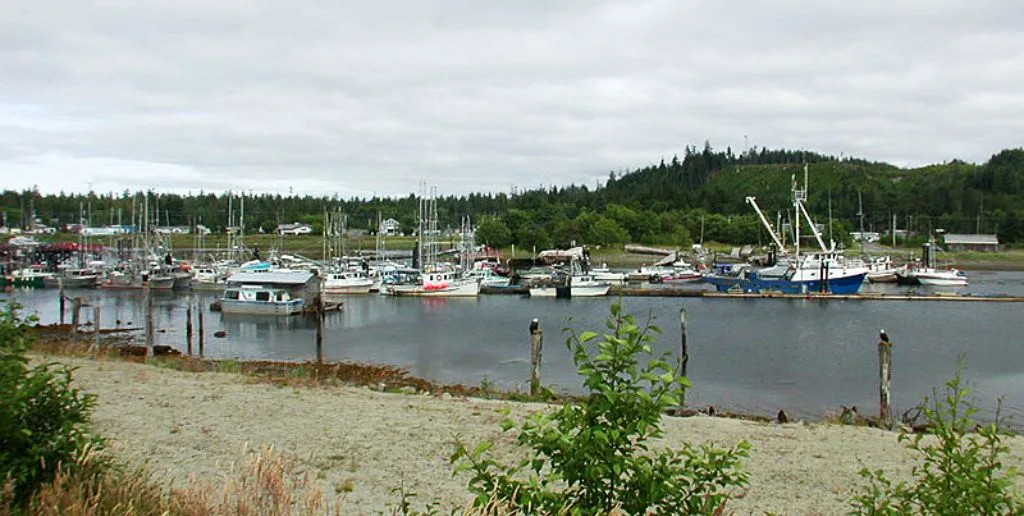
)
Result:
{"points": [[662, 291]]}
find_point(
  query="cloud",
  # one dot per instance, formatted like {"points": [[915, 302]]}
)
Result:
{"points": [[364, 98]]}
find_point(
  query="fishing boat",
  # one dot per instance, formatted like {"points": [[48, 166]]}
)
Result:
{"points": [[346, 282], [882, 270], [489, 278], [74, 278], [435, 282], [824, 271], [603, 273], [578, 285], [275, 292], [29, 277]]}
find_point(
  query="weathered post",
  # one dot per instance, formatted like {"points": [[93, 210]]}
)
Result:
{"points": [[60, 285], [95, 327], [188, 326], [884, 376], [149, 318], [202, 332], [76, 309], [684, 353], [536, 350], [319, 329]]}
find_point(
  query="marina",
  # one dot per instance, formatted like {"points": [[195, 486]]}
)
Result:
{"points": [[748, 354]]}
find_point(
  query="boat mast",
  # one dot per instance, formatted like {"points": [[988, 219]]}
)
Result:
{"points": [[753, 202]]}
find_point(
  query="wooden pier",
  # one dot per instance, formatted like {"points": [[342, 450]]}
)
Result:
{"points": [[662, 291]]}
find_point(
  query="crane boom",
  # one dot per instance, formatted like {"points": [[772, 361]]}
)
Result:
{"points": [[753, 202]]}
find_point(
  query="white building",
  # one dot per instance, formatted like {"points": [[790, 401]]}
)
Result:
{"points": [[294, 228], [390, 227]]}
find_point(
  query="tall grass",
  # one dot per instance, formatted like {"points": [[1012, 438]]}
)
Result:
{"points": [[268, 484]]}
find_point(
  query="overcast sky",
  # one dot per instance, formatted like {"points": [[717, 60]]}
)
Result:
{"points": [[357, 98]]}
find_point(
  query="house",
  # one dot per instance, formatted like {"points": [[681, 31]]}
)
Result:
{"points": [[970, 242], [390, 227], [294, 228]]}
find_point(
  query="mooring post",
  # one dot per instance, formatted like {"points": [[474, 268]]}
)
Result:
{"points": [[319, 329], [202, 333], [76, 308], [95, 328], [149, 318], [60, 285], [884, 376], [536, 351], [188, 326], [684, 353]]}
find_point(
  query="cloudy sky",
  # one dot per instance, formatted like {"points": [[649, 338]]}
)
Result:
{"points": [[357, 98]]}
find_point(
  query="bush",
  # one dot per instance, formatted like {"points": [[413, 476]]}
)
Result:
{"points": [[44, 421], [960, 472], [592, 456]]}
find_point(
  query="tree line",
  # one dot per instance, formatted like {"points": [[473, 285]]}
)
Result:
{"points": [[699, 196]]}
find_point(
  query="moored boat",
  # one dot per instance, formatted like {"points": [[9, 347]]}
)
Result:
{"points": [[346, 282], [274, 292], [435, 283]]}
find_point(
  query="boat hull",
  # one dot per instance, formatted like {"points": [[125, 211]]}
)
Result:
{"points": [[74, 282], [942, 281], [460, 290], [574, 291], [842, 285], [347, 289]]}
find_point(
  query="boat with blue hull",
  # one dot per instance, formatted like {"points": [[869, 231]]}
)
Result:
{"points": [[795, 281], [824, 271]]}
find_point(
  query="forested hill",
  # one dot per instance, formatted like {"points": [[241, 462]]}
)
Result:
{"points": [[698, 194]]}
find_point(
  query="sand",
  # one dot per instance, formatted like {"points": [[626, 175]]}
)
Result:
{"points": [[186, 423]]}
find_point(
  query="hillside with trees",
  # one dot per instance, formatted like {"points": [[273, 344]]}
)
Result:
{"points": [[700, 194]]}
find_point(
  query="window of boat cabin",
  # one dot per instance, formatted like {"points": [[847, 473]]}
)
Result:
{"points": [[263, 296], [231, 294]]}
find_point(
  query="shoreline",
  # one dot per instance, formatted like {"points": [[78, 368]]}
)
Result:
{"points": [[186, 424]]}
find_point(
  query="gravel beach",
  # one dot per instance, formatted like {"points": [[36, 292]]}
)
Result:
{"points": [[185, 424]]}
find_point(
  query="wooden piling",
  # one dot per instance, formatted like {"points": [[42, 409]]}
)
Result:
{"points": [[60, 285], [202, 332], [536, 351], [95, 328], [319, 329], [884, 376], [684, 353], [76, 309], [148, 302], [188, 326]]}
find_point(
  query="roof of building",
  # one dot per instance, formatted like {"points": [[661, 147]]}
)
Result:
{"points": [[965, 239], [294, 278]]}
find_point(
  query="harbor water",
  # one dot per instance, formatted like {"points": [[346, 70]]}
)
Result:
{"points": [[754, 356]]}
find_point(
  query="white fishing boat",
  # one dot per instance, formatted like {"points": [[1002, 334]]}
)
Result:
{"points": [[346, 282], [579, 285], [882, 270], [489, 278], [435, 283], [603, 273]]}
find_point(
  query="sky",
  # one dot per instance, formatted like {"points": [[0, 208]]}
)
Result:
{"points": [[355, 98]]}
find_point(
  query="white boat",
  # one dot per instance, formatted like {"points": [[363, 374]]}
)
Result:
{"points": [[273, 292], [603, 273], [581, 285], [939, 277], [346, 282], [882, 270], [489, 278], [435, 283]]}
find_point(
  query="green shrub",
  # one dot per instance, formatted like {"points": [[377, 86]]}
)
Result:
{"points": [[44, 421], [961, 468], [592, 456]]}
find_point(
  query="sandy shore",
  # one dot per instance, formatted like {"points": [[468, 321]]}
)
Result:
{"points": [[186, 423]]}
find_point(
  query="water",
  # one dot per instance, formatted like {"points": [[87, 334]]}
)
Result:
{"points": [[748, 355]]}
